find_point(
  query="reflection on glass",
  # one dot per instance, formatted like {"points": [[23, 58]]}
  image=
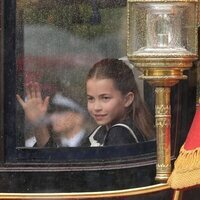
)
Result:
{"points": [[62, 126], [57, 43]]}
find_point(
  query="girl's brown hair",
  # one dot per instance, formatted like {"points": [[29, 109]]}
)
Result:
{"points": [[124, 81]]}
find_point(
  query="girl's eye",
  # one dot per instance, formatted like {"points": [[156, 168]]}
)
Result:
{"points": [[90, 99], [106, 98]]}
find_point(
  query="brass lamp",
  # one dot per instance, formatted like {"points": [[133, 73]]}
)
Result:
{"points": [[162, 43]]}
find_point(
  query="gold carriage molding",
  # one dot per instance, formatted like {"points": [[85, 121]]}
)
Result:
{"points": [[162, 43]]}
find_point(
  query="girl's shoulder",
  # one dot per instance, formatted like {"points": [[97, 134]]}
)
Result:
{"points": [[124, 133], [118, 134], [122, 129]]}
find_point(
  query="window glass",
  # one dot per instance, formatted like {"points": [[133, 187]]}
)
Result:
{"points": [[57, 42]]}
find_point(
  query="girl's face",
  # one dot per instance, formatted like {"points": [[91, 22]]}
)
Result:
{"points": [[106, 104]]}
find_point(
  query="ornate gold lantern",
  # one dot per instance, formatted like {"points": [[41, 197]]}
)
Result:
{"points": [[162, 43]]}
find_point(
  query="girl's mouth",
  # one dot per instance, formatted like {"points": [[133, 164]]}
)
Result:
{"points": [[99, 117]]}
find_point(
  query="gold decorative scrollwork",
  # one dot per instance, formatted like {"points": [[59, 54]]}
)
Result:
{"points": [[163, 123], [162, 110], [163, 166]]}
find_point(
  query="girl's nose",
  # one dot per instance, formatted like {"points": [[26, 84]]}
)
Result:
{"points": [[97, 106]]}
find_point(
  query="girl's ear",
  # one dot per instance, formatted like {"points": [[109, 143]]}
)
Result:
{"points": [[129, 99]]}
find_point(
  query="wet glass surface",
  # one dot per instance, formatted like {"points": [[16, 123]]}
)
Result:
{"points": [[56, 44]]}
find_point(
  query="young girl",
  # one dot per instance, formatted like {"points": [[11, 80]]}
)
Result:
{"points": [[113, 101], [116, 105]]}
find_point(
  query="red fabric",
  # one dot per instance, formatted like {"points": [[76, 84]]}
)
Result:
{"points": [[193, 138]]}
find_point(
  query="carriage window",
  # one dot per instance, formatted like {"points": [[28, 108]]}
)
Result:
{"points": [[57, 42]]}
